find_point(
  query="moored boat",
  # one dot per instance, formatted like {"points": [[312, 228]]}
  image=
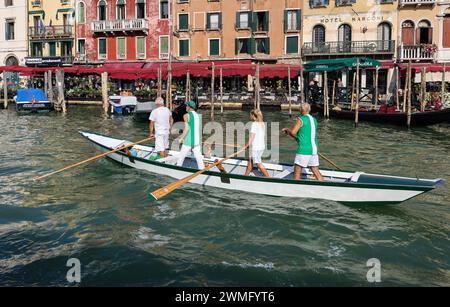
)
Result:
{"points": [[339, 186], [426, 118], [122, 104], [32, 100]]}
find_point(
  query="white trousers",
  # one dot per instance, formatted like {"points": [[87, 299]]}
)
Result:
{"points": [[185, 150]]}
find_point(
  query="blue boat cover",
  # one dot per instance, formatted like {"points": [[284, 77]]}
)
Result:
{"points": [[29, 94]]}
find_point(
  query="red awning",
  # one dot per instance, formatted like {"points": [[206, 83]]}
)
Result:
{"points": [[430, 67]]}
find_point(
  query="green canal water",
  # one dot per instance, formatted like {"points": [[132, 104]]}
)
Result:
{"points": [[200, 236]]}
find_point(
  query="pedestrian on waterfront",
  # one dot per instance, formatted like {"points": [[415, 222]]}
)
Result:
{"points": [[161, 122], [305, 131], [191, 139], [256, 143]]}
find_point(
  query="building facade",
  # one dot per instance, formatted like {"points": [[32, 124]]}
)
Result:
{"points": [[51, 32], [262, 30], [424, 34], [13, 38], [122, 30]]}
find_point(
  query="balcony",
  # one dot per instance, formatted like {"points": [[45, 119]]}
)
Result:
{"points": [[50, 32], [80, 58], [417, 2], [416, 52], [120, 25], [353, 47]]}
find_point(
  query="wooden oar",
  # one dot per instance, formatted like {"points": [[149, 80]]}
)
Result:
{"points": [[161, 192], [91, 159], [322, 156]]}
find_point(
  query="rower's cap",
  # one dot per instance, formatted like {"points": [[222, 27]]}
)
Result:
{"points": [[191, 104]]}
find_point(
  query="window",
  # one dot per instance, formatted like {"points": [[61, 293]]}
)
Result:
{"points": [[291, 44], [318, 35], [163, 47], [81, 47], [384, 36], [261, 21], [101, 14], [120, 9], [183, 22], [243, 46], [81, 13], [121, 48], [344, 2], [163, 9], [140, 9], [318, 3], [446, 32], [262, 45], [183, 47], [9, 30], [292, 20], [408, 32], [214, 47], [424, 32], [51, 49], [243, 20], [9, 3], [102, 54], [36, 49], [344, 38], [214, 21], [140, 47]]}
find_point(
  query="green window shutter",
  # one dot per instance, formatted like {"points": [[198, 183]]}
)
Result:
{"points": [[208, 22], [251, 45], [285, 21], [220, 21], [140, 45], [238, 20], [121, 47], [250, 20], [292, 44], [183, 22], [267, 41], [236, 46], [184, 48], [214, 47], [299, 19], [253, 23], [266, 26], [102, 46]]}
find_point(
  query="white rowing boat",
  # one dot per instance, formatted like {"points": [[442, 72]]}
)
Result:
{"points": [[340, 186]]}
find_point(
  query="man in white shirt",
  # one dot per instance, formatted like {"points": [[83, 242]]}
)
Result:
{"points": [[161, 122]]}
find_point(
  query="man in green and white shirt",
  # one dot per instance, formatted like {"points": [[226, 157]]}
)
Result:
{"points": [[305, 131], [191, 139]]}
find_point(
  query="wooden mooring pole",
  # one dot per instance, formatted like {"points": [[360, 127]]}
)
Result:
{"points": [[423, 88], [375, 90], [257, 89], [188, 86], [50, 86], [357, 96], [443, 83], [159, 93], [221, 91], [5, 91], [105, 91], [289, 91], [408, 101], [333, 94], [325, 94], [212, 88]]}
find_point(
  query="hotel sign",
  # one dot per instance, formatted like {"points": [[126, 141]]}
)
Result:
{"points": [[373, 18]]}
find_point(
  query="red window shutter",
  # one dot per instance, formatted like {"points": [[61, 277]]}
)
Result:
{"points": [[430, 35], [408, 36], [446, 32]]}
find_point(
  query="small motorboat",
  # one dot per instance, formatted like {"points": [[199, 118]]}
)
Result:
{"points": [[143, 110], [340, 186], [122, 104], [32, 100]]}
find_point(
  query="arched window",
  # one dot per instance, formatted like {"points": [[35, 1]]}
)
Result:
{"points": [[318, 34], [81, 12], [344, 38], [424, 32], [408, 32], [120, 9], [384, 36], [101, 12], [140, 9], [11, 60]]}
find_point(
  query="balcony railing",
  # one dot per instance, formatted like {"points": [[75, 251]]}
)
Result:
{"points": [[120, 25], [361, 47], [50, 32], [415, 53], [416, 2], [80, 58]]}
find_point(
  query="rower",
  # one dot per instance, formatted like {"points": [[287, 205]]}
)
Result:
{"points": [[161, 122], [191, 137], [305, 131], [256, 143]]}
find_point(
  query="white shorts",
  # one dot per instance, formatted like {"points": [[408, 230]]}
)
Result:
{"points": [[161, 142], [256, 156], [307, 160]]}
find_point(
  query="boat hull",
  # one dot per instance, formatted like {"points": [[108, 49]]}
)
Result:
{"points": [[344, 192], [400, 119], [34, 107]]}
